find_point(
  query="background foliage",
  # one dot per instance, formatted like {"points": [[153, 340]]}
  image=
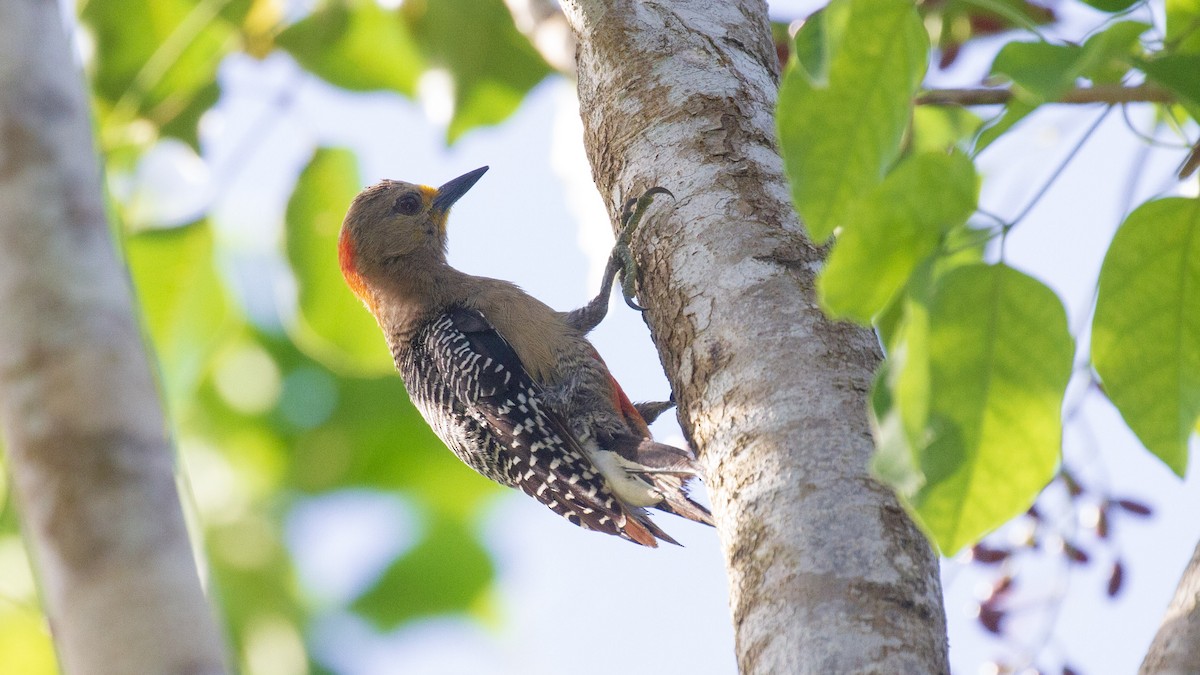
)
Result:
{"points": [[284, 402]]}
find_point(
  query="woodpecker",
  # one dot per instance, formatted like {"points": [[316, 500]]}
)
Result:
{"points": [[510, 385]]}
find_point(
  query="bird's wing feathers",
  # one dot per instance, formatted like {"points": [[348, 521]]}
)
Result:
{"points": [[543, 457]]}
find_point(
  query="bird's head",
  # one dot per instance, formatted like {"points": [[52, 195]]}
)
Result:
{"points": [[392, 223]]}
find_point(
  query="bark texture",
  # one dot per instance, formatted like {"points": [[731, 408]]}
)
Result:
{"points": [[827, 574], [88, 448], [1176, 647]]}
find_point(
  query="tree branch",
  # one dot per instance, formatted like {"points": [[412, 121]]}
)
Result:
{"points": [[1102, 93], [827, 573], [88, 447], [1176, 647]]}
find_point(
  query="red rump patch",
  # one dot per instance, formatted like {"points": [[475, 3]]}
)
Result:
{"points": [[346, 259], [622, 402]]}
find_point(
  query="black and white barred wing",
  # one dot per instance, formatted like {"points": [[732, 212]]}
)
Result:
{"points": [[524, 444]]}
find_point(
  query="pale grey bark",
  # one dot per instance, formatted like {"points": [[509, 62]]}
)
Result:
{"points": [[827, 574], [88, 448], [1176, 647]]}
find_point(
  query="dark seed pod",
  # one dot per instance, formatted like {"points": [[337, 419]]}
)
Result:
{"points": [[1135, 507], [1116, 579]]}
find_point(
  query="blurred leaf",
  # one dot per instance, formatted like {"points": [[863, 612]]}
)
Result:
{"points": [[894, 461], [492, 66], [942, 128], [1040, 71], [329, 432], [1183, 26], [183, 302], [999, 356], [834, 149], [1014, 112], [356, 45], [1107, 54], [1176, 72], [25, 642], [185, 124], [156, 58], [1112, 6], [332, 324], [1146, 332], [252, 576], [895, 226], [375, 438], [446, 572]]}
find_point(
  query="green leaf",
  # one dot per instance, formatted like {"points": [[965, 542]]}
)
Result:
{"points": [[1107, 54], [492, 66], [356, 45], [1146, 332], [894, 461], [1014, 112], [1040, 71], [938, 128], [448, 571], [332, 325], [999, 357], [1176, 72], [1183, 26], [183, 302], [1043, 72], [896, 225], [1112, 6], [840, 136]]}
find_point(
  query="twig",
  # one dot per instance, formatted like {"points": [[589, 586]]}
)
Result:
{"points": [[1102, 93]]}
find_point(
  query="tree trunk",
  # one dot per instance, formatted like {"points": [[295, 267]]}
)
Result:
{"points": [[1176, 647], [88, 447], [827, 573]]}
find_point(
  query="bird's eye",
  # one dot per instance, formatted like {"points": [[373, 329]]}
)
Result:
{"points": [[407, 205]]}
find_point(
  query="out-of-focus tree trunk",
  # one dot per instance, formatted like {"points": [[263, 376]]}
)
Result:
{"points": [[1176, 647], [827, 573], [88, 448]]}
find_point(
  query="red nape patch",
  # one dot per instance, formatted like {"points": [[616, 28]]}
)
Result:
{"points": [[346, 259]]}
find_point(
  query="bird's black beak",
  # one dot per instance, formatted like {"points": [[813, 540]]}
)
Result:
{"points": [[456, 188]]}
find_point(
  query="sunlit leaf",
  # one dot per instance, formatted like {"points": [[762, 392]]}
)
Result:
{"points": [[446, 572], [1041, 71], [356, 45], [839, 136], [1146, 332], [1176, 72], [894, 461], [332, 324], [941, 128], [1107, 53], [25, 642], [1183, 26], [999, 357], [894, 227]]}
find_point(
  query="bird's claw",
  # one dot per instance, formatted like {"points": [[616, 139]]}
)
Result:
{"points": [[631, 217]]}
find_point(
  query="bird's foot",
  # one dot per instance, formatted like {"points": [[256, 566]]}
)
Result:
{"points": [[622, 256]]}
